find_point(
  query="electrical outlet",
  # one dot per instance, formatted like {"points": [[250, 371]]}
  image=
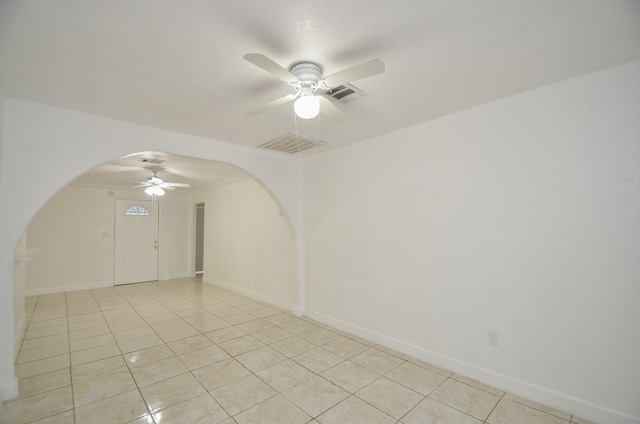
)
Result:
{"points": [[494, 337]]}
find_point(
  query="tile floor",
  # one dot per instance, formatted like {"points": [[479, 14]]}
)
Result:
{"points": [[181, 351]]}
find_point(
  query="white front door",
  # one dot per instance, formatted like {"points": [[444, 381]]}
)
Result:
{"points": [[136, 241]]}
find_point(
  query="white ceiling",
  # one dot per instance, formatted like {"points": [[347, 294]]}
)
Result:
{"points": [[177, 64]]}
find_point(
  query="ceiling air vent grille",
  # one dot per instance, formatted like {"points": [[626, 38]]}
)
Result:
{"points": [[291, 143], [344, 93]]}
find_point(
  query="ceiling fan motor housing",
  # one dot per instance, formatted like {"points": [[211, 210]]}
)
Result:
{"points": [[307, 72]]}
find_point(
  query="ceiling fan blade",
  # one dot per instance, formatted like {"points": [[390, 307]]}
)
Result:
{"points": [[329, 109], [174, 185], [273, 103], [262, 61], [364, 70]]}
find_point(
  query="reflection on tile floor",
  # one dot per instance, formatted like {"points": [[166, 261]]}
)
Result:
{"points": [[180, 351]]}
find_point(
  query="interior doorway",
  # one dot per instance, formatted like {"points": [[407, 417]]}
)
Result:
{"points": [[199, 239], [136, 241]]}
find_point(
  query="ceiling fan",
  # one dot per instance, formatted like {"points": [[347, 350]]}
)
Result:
{"points": [[156, 186], [306, 78]]}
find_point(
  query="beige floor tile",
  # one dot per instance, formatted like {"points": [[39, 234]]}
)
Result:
{"points": [[48, 323], [140, 343], [203, 357], [430, 411], [47, 331], [171, 391], [201, 409], [89, 332], [298, 326], [100, 388], [274, 410], [242, 394], [349, 376], [318, 360], [354, 410], [227, 312], [280, 318], [241, 345], [320, 336], [178, 334], [239, 318], [377, 361], [284, 375], [37, 407], [293, 346], [255, 325], [44, 382], [63, 418], [271, 334], [345, 347], [118, 409], [95, 353], [416, 378], [390, 397], [264, 312], [315, 395], [260, 358], [190, 344], [50, 314], [464, 398], [44, 341], [133, 333], [82, 325], [197, 315], [86, 317], [128, 325], [225, 334], [538, 406], [508, 411], [90, 342], [392, 352], [156, 319], [41, 366], [220, 373], [478, 385], [158, 371], [173, 324], [212, 325], [98, 368], [43, 352], [431, 367], [147, 356]]}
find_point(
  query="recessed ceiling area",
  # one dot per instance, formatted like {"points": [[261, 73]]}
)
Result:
{"points": [[179, 65]]}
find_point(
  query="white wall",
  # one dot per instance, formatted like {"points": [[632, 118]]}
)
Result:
{"points": [[249, 244], [522, 216], [44, 148], [74, 237]]}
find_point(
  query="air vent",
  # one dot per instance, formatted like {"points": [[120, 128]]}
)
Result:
{"points": [[345, 93], [151, 161], [291, 143]]}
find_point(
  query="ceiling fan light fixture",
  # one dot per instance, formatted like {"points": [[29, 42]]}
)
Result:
{"points": [[307, 106], [154, 191]]}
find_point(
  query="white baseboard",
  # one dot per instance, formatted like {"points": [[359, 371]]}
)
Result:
{"points": [[8, 391], [553, 398], [70, 288], [252, 294]]}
